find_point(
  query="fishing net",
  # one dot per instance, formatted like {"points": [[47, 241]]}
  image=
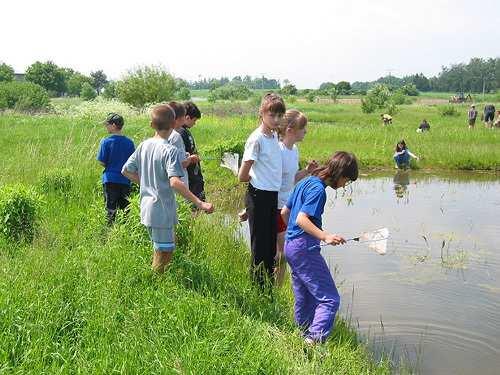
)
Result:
{"points": [[230, 160], [376, 240]]}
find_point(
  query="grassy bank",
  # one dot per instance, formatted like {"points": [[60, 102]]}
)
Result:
{"points": [[81, 298]]}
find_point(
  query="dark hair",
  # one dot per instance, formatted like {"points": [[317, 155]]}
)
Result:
{"points": [[179, 109], [192, 110], [402, 143], [116, 119], [162, 117], [273, 103], [341, 164]]}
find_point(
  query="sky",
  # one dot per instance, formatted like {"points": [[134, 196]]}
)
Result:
{"points": [[306, 42]]}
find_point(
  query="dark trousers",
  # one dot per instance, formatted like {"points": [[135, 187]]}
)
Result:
{"points": [[261, 208], [115, 196]]}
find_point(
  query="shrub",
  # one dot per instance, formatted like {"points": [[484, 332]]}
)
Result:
{"points": [[230, 92], [109, 91], [6, 73], [367, 105], [311, 97], [289, 90], [410, 90], [24, 96], [236, 146], [391, 108], [398, 98], [150, 84], [183, 93], [88, 92], [448, 110], [58, 181], [19, 207]]}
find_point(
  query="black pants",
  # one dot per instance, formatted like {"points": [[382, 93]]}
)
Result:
{"points": [[261, 208], [115, 196]]}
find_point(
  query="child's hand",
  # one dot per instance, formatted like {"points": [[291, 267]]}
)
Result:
{"points": [[194, 159], [333, 239], [311, 166], [207, 207]]}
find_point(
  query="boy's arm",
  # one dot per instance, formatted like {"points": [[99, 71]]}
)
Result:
{"points": [[244, 172], [308, 226], [182, 189], [132, 176], [102, 154]]}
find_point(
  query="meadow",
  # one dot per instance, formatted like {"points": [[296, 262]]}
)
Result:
{"points": [[82, 299]]}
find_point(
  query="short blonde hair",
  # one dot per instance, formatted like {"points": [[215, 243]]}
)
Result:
{"points": [[162, 117]]}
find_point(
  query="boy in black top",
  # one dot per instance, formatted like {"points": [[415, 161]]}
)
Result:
{"points": [[196, 183]]}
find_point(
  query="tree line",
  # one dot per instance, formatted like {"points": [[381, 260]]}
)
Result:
{"points": [[477, 76]]}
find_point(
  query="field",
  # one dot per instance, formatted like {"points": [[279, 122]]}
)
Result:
{"points": [[81, 297]]}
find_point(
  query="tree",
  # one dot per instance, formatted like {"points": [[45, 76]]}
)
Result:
{"points": [[343, 88], [6, 73], [74, 83], [326, 86], [99, 79], [48, 75], [88, 92], [333, 93], [109, 90], [149, 84], [289, 90]]}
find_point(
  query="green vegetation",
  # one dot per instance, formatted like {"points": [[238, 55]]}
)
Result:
{"points": [[81, 297], [23, 96]]}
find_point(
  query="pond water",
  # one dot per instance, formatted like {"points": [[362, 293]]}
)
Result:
{"points": [[434, 299]]}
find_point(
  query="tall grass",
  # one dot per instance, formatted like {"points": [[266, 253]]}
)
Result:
{"points": [[82, 299]]}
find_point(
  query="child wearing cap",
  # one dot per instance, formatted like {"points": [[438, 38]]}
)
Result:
{"points": [[113, 153], [156, 167]]}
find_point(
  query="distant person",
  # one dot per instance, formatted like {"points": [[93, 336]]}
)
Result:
{"points": [[316, 297], [386, 119], [424, 126], [113, 153], [195, 177], [290, 131], [472, 115], [489, 115], [262, 168], [402, 156], [156, 167], [497, 121]]}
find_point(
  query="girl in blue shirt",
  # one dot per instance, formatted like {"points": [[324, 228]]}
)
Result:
{"points": [[316, 297], [402, 155]]}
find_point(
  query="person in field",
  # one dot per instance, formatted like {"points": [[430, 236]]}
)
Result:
{"points": [[195, 177], [175, 140], [291, 131], [471, 116], [402, 155], [316, 297], [262, 168], [113, 153], [489, 115], [156, 167], [424, 126], [386, 119]]}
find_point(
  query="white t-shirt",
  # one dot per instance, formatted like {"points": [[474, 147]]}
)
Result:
{"points": [[290, 167], [175, 140], [265, 173]]}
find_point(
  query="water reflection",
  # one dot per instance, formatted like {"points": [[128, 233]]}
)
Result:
{"points": [[437, 291], [401, 181]]}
